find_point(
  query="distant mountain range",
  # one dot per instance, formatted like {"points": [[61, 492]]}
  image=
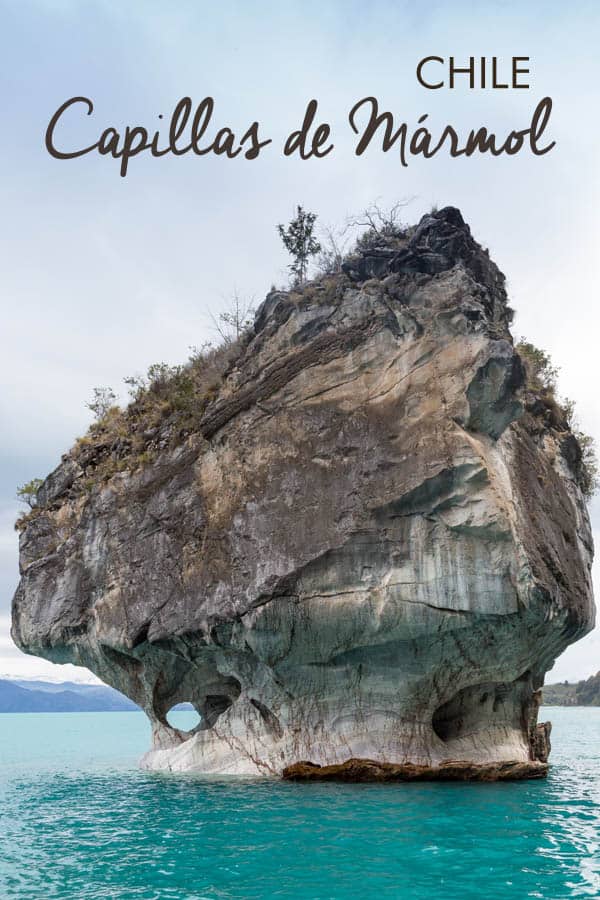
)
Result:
{"points": [[581, 693], [44, 696], [20, 695]]}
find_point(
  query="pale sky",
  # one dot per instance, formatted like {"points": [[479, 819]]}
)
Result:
{"points": [[101, 276]]}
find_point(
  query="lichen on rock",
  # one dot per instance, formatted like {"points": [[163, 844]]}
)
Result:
{"points": [[368, 548]]}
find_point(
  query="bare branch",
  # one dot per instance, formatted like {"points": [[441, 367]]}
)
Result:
{"points": [[231, 323], [380, 220], [333, 249]]}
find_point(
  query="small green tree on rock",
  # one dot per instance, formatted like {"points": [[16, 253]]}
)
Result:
{"points": [[300, 242], [27, 493]]}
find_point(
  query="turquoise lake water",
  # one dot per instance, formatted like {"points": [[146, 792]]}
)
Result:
{"points": [[79, 821]]}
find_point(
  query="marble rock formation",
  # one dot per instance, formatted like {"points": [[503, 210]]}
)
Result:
{"points": [[373, 547]]}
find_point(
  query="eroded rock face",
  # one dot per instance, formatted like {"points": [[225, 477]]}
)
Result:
{"points": [[371, 549]]}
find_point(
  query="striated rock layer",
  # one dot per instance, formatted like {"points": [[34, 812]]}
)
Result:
{"points": [[357, 770], [373, 547]]}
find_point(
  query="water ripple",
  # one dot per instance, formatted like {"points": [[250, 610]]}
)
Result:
{"points": [[78, 821]]}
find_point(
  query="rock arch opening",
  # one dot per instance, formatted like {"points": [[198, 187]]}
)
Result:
{"points": [[184, 717]]}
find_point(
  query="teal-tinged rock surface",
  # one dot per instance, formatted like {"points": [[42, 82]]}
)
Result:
{"points": [[374, 544]]}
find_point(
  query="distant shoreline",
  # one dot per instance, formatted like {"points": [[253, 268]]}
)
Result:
{"points": [[579, 693]]}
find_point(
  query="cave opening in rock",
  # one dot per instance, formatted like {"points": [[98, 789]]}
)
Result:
{"points": [[214, 706], [487, 711], [472, 709], [184, 717]]}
